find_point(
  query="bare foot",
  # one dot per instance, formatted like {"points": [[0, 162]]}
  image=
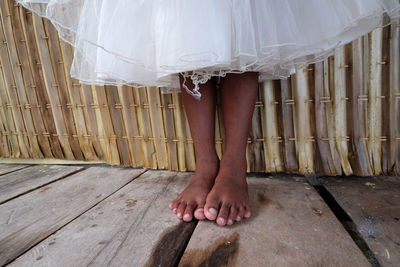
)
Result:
{"points": [[191, 201], [228, 200]]}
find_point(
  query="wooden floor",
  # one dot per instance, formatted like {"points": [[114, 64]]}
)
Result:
{"points": [[58, 215]]}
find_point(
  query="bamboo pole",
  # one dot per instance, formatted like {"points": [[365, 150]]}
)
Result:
{"points": [[329, 87], [129, 118], [180, 133], [60, 88], [288, 107], [157, 124], [9, 142], [10, 28], [340, 102], [375, 102], [359, 110], [148, 149], [394, 100], [39, 85], [110, 152], [117, 126], [304, 136], [385, 101], [321, 102], [27, 75], [7, 117], [73, 94], [13, 84], [50, 81], [168, 117], [270, 129], [92, 127]]}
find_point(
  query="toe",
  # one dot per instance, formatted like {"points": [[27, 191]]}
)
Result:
{"points": [[174, 204], [223, 215], [180, 210], [247, 212], [211, 209], [240, 214], [199, 214], [188, 214], [232, 214]]}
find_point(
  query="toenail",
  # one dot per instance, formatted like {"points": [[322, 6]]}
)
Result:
{"points": [[186, 216], [174, 210], [179, 214], [213, 211], [221, 220], [230, 222], [238, 218]]}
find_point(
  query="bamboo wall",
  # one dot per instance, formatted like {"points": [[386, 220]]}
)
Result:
{"points": [[337, 117]]}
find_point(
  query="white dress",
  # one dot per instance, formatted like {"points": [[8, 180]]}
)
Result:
{"points": [[149, 42]]}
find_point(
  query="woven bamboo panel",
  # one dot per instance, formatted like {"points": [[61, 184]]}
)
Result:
{"points": [[337, 117]]}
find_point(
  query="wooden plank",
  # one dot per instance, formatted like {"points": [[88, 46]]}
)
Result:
{"points": [[133, 227], [26, 220], [374, 206], [27, 179], [6, 168], [290, 226]]}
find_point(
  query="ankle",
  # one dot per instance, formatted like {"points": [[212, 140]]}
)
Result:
{"points": [[234, 160], [233, 165], [207, 165]]}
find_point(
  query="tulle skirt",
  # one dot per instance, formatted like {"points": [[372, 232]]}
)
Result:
{"points": [[151, 42]]}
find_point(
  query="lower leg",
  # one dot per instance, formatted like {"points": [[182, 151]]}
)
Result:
{"points": [[228, 200], [201, 118]]}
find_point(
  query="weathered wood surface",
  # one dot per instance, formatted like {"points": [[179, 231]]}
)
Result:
{"points": [[26, 220], [290, 226], [6, 168], [27, 179], [133, 227], [111, 216], [374, 206]]}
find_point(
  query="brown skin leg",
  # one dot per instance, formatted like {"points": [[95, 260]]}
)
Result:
{"points": [[228, 200], [201, 118]]}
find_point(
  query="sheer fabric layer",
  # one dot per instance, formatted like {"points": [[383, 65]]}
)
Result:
{"points": [[149, 42]]}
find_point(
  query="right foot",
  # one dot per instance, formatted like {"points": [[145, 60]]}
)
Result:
{"points": [[192, 200]]}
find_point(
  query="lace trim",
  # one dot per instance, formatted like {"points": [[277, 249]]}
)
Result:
{"points": [[196, 80], [201, 78]]}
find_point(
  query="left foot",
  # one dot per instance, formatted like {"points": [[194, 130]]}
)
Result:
{"points": [[228, 200]]}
